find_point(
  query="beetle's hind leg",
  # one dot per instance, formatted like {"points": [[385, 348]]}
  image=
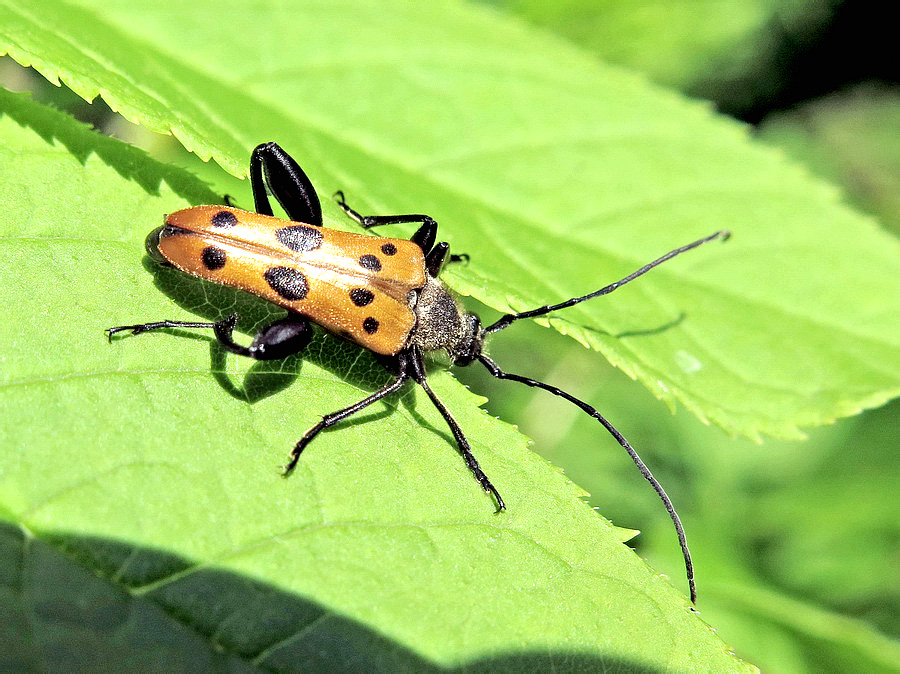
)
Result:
{"points": [[271, 166], [277, 340]]}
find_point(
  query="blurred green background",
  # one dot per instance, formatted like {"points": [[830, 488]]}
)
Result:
{"points": [[797, 545]]}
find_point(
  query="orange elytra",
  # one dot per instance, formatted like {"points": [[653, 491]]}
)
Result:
{"points": [[343, 281]]}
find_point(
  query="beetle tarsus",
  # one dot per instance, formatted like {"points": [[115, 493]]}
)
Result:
{"points": [[488, 487], [156, 325]]}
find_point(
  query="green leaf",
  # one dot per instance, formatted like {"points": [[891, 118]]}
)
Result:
{"points": [[141, 480], [557, 174], [130, 77], [775, 529], [561, 174]]}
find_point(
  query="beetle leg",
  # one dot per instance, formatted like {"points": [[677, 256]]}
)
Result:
{"points": [[157, 325], [335, 417], [424, 237], [495, 371], [277, 340], [434, 260], [417, 366], [273, 167]]}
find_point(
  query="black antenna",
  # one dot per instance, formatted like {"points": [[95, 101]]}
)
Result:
{"points": [[505, 321], [495, 370]]}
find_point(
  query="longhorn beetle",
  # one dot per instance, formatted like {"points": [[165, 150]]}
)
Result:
{"points": [[383, 294]]}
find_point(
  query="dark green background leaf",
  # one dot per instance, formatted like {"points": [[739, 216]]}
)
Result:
{"points": [[728, 52], [850, 138]]}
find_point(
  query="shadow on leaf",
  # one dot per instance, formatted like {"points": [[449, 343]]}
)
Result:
{"points": [[212, 302], [668, 325], [82, 601]]}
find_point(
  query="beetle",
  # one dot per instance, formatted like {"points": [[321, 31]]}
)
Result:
{"points": [[381, 293]]}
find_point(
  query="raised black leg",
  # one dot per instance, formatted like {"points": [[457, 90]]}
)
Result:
{"points": [[434, 259], [272, 166], [336, 417], [495, 370], [417, 366], [275, 341], [425, 236]]}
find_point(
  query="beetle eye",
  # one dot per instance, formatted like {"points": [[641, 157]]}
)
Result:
{"points": [[152, 246]]}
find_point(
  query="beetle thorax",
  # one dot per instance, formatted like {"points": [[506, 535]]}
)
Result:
{"points": [[441, 323]]}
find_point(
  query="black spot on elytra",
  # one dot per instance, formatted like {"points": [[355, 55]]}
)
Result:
{"points": [[224, 219], [389, 249], [370, 262], [213, 258], [287, 282], [361, 297], [370, 325], [299, 238]]}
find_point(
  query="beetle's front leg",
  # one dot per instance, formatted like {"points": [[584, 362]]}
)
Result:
{"points": [[277, 340]]}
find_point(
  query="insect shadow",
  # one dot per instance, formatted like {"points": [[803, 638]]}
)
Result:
{"points": [[268, 377], [363, 370], [658, 330], [265, 377]]}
